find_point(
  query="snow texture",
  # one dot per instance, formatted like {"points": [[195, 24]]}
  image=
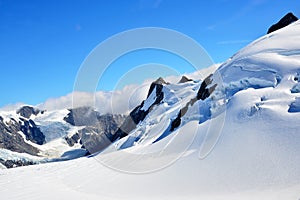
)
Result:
{"points": [[255, 157]]}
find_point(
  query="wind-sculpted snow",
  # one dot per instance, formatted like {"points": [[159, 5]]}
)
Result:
{"points": [[237, 138], [295, 106], [269, 62], [263, 64]]}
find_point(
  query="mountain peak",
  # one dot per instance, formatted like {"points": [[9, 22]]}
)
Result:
{"points": [[27, 111], [184, 79], [160, 81], [283, 22]]}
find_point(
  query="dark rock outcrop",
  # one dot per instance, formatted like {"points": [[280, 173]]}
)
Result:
{"points": [[32, 132], [159, 82], [11, 139], [82, 116], [15, 163], [98, 132], [138, 114], [11, 131], [203, 93], [27, 111], [184, 79], [93, 141], [73, 139], [283, 22], [204, 90], [15, 132]]}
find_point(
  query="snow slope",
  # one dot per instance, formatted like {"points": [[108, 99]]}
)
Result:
{"points": [[251, 151]]}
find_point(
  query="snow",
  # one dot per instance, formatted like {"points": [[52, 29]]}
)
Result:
{"points": [[56, 148], [54, 128], [7, 115], [150, 100], [240, 143], [15, 156], [295, 106], [2, 166], [53, 125]]}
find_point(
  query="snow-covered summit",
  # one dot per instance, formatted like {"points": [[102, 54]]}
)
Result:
{"points": [[233, 135]]}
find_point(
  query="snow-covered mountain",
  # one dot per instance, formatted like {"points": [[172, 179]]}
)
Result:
{"points": [[31, 136], [233, 135]]}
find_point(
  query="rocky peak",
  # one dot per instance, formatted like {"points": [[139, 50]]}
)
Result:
{"points": [[206, 88], [159, 82], [27, 111], [11, 139], [32, 131], [138, 114], [184, 79], [98, 130], [82, 116], [283, 22]]}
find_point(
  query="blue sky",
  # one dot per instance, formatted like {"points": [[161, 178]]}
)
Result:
{"points": [[44, 42]]}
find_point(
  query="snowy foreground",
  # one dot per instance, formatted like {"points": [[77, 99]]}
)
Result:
{"points": [[240, 143]]}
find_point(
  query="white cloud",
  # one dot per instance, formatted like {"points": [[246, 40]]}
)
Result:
{"points": [[118, 101], [10, 107]]}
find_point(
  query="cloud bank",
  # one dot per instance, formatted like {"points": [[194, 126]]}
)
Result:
{"points": [[117, 102]]}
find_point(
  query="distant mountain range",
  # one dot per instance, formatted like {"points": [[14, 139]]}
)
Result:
{"points": [[29, 135], [52, 135]]}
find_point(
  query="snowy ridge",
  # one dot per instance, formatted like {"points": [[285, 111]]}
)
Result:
{"points": [[256, 155], [158, 121]]}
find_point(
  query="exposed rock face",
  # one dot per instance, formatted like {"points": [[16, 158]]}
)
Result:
{"points": [[27, 111], [98, 130], [11, 139], [93, 140], [204, 92], [82, 116], [96, 138], [32, 132], [15, 163], [206, 89], [184, 79], [73, 139], [95, 135], [11, 132], [159, 82], [283, 22], [138, 114]]}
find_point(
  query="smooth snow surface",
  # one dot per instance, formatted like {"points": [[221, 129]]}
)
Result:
{"points": [[257, 155]]}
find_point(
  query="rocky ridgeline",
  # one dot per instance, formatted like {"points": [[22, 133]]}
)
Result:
{"points": [[22, 134], [283, 22], [97, 131]]}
